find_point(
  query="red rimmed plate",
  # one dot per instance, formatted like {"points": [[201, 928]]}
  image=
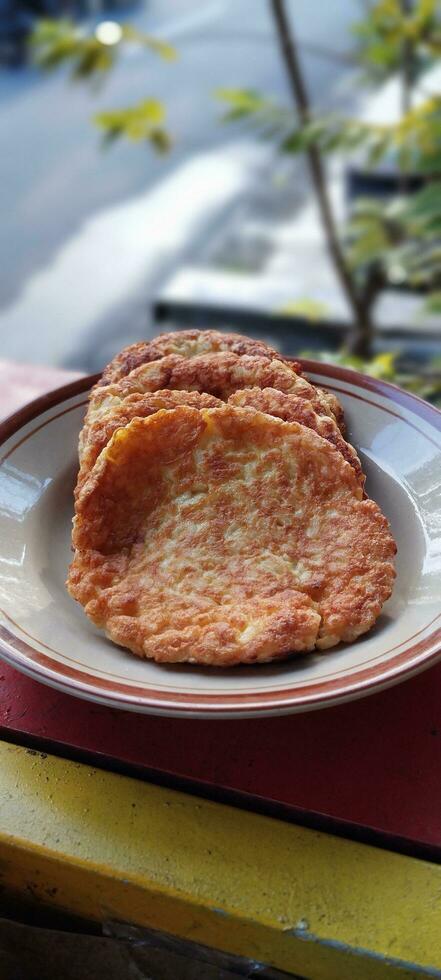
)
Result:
{"points": [[45, 634]]}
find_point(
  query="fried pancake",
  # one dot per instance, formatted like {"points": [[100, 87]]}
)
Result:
{"points": [[135, 406], [217, 374], [292, 408], [226, 536], [192, 343], [187, 343]]}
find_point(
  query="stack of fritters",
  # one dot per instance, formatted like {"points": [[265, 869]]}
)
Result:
{"points": [[220, 513]]}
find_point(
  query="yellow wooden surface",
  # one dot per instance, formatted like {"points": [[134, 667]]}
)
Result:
{"points": [[108, 846]]}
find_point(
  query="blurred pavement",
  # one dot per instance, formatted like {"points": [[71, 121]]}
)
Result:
{"points": [[87, 236]]}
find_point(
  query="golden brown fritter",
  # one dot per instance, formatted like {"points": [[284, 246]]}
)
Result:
{"points": [[187, 343], [225, 536], [192, 343], [100, 432], [217, 374], [292, 408]]}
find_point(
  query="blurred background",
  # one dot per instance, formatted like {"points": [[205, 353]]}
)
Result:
{"points": [[268, 166]]}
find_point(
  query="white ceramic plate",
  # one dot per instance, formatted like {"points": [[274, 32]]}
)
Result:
{"points": [[44, 633]]}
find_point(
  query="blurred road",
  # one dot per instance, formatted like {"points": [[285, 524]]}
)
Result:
{"points": [[86, 234]]}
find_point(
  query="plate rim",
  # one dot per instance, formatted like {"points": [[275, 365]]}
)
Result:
{"points": [[420, 656]]}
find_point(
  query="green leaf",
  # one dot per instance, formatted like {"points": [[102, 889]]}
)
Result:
{"points": [[142, 122], [378, 148], [383, 366], [388, 29], [402, 238], [243, 103], [54, 42], [311, 309], [426, 202], [161, 48], [433, 303], [296, 142], [426, 384], [93, 58], [247, 98], [161, 140]]}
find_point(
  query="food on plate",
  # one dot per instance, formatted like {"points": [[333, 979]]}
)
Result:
{"points": [[217, 374], [221, 517], [99, 433], [294, 408], [225, 536], [187, 343]]}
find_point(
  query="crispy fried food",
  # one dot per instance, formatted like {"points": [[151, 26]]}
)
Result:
{"points": [[187, 343], [192, 343], [225, 536], [100, 432], [294, 408], [217, 374]]}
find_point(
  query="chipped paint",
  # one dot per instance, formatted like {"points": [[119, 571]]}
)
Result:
{"points": [[296, 899], [415, 969]]}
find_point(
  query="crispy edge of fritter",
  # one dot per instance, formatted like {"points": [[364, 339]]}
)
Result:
{"points": [[99, 433], [218, 374], [186, 343], [294, 408]]}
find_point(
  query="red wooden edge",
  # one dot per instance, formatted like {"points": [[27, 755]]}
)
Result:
{"points": [[41, 404]]}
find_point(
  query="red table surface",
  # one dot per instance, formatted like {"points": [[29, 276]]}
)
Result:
{"points": [[370, 768]]}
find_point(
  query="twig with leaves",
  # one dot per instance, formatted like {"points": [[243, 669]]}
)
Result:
{"points": [[59, 42], [379, 239]]}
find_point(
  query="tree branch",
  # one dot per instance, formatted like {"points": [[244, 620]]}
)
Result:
{"points": [[288, 49], [407, 78], [256, 37], [407, 63]]}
